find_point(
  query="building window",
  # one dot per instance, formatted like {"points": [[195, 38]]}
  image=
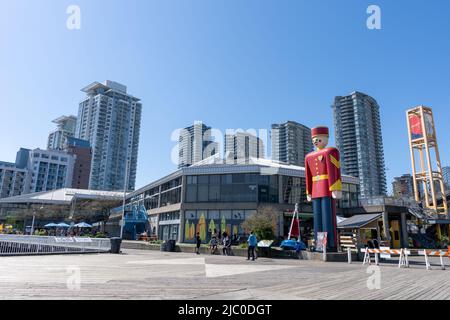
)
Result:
{"points": [[191, 193], [191, 179], [232, 188]]}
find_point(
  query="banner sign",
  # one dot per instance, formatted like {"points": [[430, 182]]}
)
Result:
{"points": [[82, 239], [64, 239], [415, 125], [265, 243], [417, 130], [321, 241]]}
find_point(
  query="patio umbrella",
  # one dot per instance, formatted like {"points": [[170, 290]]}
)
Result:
{"points": [[83, 225], [50, 225], [63, 225]]}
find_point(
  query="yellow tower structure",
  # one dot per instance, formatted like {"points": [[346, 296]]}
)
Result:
{"points": [[422, 143]]}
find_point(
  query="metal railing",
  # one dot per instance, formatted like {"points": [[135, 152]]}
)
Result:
{"points": [[29, 245]]}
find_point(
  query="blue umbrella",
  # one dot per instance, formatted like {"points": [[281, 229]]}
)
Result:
{"points": [[63, 225], [83, 225], [50, 225]]}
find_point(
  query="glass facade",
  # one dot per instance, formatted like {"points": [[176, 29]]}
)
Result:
{"points": [[245, 187], [116, 117], [169, 231], [169, 225], [291, 142], [205, 196], [294, 190], [167, 194], [349, 196], [358, 137], [168, 216]]}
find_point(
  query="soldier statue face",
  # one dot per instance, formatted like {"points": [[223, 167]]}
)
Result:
{"points": [[320, 141]]}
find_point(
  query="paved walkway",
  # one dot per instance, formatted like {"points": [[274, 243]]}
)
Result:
{"points": [[141, 274]]}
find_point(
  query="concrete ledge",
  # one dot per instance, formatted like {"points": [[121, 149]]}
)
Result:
{"points": [[331, 256], [181, 247], [276, 253], [139, 245], [18, 254]]}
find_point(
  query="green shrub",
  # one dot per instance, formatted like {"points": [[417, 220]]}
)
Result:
{"points": [[444, 242], [263, 223], [100, 235]]}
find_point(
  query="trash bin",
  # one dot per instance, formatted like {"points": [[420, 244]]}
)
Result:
{"points": [[115, 244], [171, 245], [163, 246]]}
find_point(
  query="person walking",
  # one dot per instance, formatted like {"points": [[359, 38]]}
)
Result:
{"points": [[198, 243], [252, 242], [226, 243], [229, 250]]}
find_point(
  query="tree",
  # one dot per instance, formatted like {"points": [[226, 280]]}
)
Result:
{"points": [[263, 223]]}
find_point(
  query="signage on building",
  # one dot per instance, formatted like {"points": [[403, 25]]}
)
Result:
{"points": [[415, 125], [321, 241]]}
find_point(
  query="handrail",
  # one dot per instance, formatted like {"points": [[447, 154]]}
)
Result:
{"points": [[28, 245]]}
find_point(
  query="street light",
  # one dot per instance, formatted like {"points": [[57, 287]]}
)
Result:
{"points": [[122, 222], [32, 222], [34, 217]]}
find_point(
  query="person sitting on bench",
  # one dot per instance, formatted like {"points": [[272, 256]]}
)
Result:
{"points": [[213, 245]]}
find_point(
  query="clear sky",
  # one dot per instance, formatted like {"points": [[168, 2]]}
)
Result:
{"points": [[231, 63]]}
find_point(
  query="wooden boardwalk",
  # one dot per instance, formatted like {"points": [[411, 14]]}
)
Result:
{"points": [[161, 275]]}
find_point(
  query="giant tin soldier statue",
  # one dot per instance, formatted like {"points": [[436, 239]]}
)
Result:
{"points": [[323, 185]]}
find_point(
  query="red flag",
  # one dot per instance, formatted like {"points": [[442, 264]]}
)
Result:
{"points": [[295, 231]]}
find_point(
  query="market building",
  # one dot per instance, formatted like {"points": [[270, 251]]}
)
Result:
{"points": [[213, 195], [69, 205]]}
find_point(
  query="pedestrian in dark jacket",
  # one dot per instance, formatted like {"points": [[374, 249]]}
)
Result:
{"points": [[198, 243], [226, 241]]}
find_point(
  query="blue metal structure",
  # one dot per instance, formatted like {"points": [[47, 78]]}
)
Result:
{"points": [[136, 221]]}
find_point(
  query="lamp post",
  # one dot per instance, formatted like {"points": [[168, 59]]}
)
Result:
{"points": [[125, 187], [32, 222], [122, 222], [34, 217]]}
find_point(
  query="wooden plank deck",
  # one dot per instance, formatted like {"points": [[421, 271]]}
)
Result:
{"points": [[140, 274]]}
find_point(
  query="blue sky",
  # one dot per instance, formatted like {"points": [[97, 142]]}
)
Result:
{"points": [[233, 64]]}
